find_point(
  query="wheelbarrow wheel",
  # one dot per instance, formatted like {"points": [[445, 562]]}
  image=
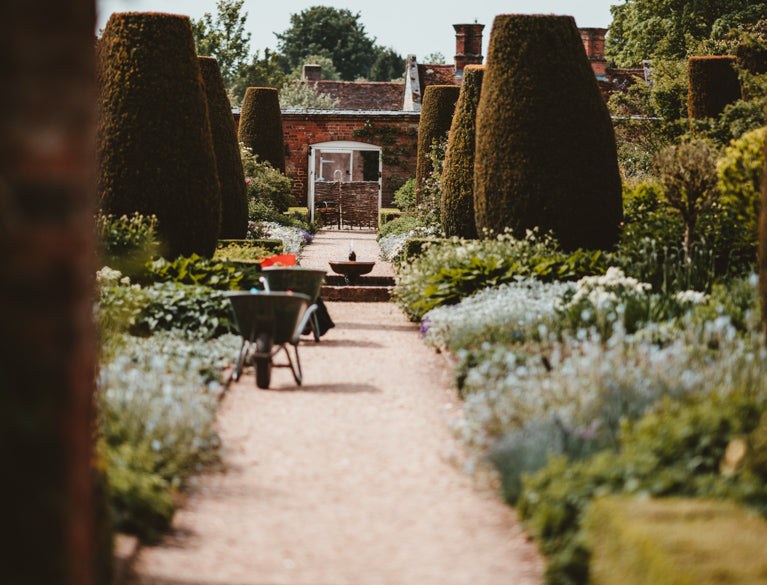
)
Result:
{"points": [[263, 364]]}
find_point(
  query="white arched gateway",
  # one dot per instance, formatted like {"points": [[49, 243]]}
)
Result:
{"points": [[346, 175]]}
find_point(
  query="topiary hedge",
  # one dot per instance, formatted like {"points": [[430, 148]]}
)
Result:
{"points": [[545, 152], [457, 206], [155, 150], [712, 84], [436, 118], [261, 126], [234, 202]]}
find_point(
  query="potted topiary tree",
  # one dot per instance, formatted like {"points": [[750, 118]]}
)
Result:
{"points": [[545, 152], [234, 201], [155, 150], [457, 205], [436, 117], [261, 126]]}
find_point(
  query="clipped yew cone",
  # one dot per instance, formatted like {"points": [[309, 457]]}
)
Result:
{"points": [[234, 201], [712, 84], [436, 118], [261, 125], [155, 149], [457, 205], [545, 151]]}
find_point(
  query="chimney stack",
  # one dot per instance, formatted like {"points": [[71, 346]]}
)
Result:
{"points": [[594, 43], [468, 47], [311, 72]]}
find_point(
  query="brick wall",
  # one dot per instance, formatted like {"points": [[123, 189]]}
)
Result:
{"points": [[395, 133], [47, 193]]}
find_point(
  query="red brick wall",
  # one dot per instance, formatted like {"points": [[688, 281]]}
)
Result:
{"points": [[396, 134], [47, 343]]}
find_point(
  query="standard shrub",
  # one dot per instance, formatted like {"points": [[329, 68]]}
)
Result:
{"points": [[457, 206], [261, 126], [712, 85], [155, 149], [234, 205], [545, 153], [436, 118]]}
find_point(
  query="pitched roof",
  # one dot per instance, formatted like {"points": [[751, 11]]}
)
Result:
{"points": [[433, 74], [364, 95]]}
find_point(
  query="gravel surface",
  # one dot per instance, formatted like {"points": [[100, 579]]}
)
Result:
{"points": [[349, 479]]}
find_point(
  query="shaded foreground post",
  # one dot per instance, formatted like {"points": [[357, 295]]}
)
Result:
{"points": [[763, 249], [47, 193]]}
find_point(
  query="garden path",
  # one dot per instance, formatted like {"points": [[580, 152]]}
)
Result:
{"points": [[350, 479]]}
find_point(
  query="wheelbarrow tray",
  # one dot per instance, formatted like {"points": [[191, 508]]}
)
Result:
{"points": [[306, 281], [268, 322]]}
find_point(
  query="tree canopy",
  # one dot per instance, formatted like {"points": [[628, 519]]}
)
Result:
{"points": [[335, 33], [388, 65], [650, 29], [224, 38]]}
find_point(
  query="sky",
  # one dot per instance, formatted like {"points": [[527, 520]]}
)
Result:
{"points": [[417, 27]]}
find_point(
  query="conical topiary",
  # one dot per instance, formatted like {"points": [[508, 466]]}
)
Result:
{"points": [[154, 143], [545, 153], [712, 84], [457, 206], [261, 125], [436, 117], [234, 201]]}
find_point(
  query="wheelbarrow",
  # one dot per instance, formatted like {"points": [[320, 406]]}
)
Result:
{"points": [[268, 323], [306, 281]]}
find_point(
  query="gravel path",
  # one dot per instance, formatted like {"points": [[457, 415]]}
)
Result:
{"points": [[347, 480]]}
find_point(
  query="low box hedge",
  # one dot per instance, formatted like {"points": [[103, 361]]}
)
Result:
{"points": [[675, 542], [274, 246], [387, 214], [300, 213]]}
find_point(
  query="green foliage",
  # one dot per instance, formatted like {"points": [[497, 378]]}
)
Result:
{"points": [[651, 29], [260, 72], [404, 197], [436, 118], [305, 96], [261, 126], [386, 215], [434, 58], [336, 33], [446, 272], [155, 150], [688, 182], [388, 65], [457, 204], [234, 204], [326, 63], [194, 270], [224, 38], [248, 251], [399, 225], [713, 84], [541, 161], [127, 243], [672, 540], [265, 184], [676, 450]]}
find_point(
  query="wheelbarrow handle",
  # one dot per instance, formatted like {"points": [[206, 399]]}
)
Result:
{"points": [[265, 282], [304, 322]]}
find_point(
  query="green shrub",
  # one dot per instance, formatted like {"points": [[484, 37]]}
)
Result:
{"points": [[399, 225], [261, 126], [436, 118], [265, 184], [234, 204], [194, 270], [457, 205], [127, 243], [675, 450], [713, 84], [302, 215], [248, 249], [154, 147], [543, 161], [404, 197], [665, 541], [387, 215]]}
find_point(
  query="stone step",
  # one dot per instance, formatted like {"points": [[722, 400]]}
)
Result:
{"points": [[356, 293]]}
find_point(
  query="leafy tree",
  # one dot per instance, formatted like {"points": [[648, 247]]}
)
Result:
{"points": [[388, 66], [649, 29], [300, 94], [224, 38], [435, 58], [336, 33], [260, 72], [329, 70]]}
